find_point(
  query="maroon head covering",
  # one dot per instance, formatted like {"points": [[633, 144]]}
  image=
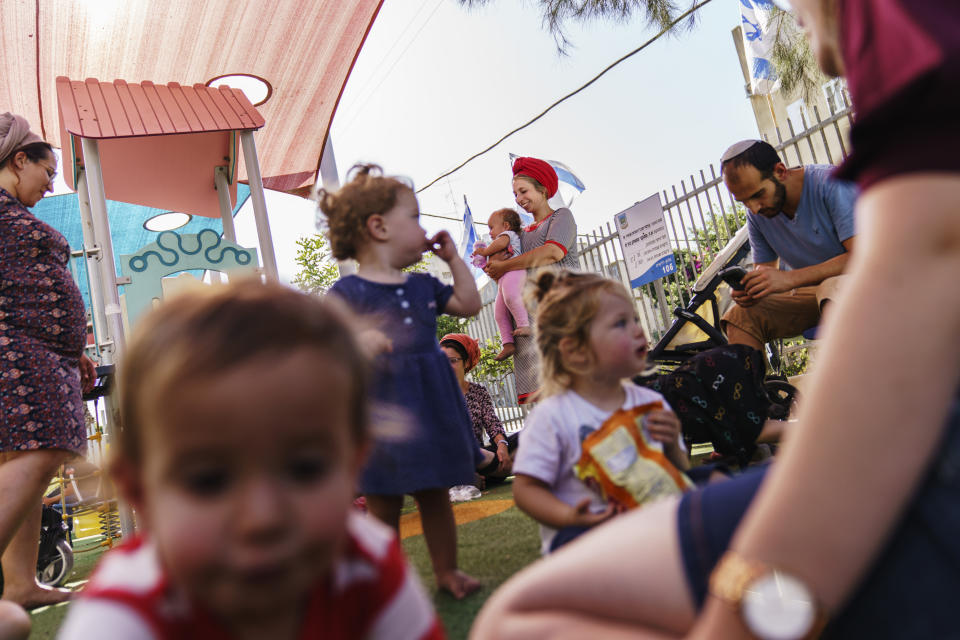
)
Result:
{"points": [[539, 170]]}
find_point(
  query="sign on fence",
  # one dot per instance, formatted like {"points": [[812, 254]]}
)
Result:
{"points": [[644, 240]]}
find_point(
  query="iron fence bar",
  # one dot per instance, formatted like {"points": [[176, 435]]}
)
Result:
{"points": [[823, 135]]}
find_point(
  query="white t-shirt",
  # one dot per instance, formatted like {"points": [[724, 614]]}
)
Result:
{"points": [[513, 249], [550, 445]]}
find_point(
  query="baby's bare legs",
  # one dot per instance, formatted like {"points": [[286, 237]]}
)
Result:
{"points": [[440, 530], [617, 580]]}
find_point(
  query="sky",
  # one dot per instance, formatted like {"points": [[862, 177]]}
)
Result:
{"points": [[422, 100], [436, 82]]}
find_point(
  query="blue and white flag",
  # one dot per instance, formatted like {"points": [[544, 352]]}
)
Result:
{"points": [[759, 32], [469, 238], [564, 173]]}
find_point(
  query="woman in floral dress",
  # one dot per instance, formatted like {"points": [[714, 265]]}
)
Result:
{"points": [[42, 366]]}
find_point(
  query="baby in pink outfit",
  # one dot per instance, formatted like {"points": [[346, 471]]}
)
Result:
{"points": [[504, 225]]}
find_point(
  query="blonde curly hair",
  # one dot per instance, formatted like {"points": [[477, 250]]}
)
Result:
{"points": [[568, 302]]}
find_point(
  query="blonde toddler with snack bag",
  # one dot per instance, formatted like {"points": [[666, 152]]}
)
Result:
{"points": [[596, 444]]}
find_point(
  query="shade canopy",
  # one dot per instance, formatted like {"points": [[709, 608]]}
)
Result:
{"points": [[304, 50]]}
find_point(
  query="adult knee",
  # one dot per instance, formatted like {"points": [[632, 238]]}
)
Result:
{"points": [[14, 621]]}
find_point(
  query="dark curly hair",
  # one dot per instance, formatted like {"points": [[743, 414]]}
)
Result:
{"points": [[510, 218], [347, 210]]}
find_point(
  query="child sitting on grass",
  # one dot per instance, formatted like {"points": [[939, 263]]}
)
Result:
{"points": [[509, 310], [589, 344], [244, 428]]}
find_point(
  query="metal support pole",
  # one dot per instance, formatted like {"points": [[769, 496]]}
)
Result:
{"points": [[259, 204], [665, 313], [226, 207], [330, 179], [93, 257], [108, 271]]}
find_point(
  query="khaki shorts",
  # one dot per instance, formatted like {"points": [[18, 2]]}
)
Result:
{"points": [[784, 315]]}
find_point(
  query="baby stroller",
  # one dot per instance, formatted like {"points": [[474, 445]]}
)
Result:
{"points": [[55, 559], [55, 556], [722, 393]]}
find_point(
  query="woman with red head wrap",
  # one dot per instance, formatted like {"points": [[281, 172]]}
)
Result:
{"points": [[551, 239], [825, 548]]}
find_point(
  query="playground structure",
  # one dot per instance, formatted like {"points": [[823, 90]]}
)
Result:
{"points": [[171, 147]]}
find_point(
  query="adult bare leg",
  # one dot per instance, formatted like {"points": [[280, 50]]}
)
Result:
{"points": [[14, 622], [24, 476], [614, 581]]}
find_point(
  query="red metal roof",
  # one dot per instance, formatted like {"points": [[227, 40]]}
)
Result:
{"points": [[95, 109]]}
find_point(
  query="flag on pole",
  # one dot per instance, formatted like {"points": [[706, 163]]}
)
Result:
{"points": [[759, 26], [564, 173], [469, 233]]}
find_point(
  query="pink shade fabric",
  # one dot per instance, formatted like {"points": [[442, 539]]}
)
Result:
{"points": [[303, 48]]}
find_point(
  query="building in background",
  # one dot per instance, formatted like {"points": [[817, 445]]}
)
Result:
{"points": [[782, 119]]}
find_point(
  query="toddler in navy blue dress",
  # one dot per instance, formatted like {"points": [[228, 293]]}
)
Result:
{"points": [[375, 220]]}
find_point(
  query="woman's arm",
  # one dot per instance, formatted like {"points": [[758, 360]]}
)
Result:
{"points": [[879, 394], [487, 417], [547, 254], [612, 578]]}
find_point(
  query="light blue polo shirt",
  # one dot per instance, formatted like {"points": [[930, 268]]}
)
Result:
{"points": [[824, 219]]}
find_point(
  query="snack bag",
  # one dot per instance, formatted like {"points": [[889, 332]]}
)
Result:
{"points": [[628, 469]]}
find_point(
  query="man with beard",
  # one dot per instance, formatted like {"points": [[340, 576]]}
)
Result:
{"points": [[801, 235]]}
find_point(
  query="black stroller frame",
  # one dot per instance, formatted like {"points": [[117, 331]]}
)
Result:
{"points": [[701, 317], [725, 268]]}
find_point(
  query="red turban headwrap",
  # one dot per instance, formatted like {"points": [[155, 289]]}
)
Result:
{"points": [[469, 345], [539, 170]]}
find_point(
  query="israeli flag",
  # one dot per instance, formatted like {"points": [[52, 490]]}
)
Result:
{"points": [[759, 31], [469, 239], [469, 233], [564, 173]]}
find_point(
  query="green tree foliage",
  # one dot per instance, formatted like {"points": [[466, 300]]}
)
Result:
{"points": [[450, 324], [792, 57], [691, 262], [488, 370], [659, 14], [318, 270]]}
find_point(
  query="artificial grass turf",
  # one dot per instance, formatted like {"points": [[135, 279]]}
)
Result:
{"points": [[490, 549], [47, 620]]}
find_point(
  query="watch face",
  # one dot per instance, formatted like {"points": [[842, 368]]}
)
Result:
{"points": [[777, 606]]}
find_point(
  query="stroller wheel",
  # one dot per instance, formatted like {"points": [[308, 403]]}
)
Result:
{"points": [[53, 570], [782, 395]]}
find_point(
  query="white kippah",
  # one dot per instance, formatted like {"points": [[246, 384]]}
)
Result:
{"points": [[736, 149]]}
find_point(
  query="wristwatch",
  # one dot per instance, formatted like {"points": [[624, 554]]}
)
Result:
{"points": [[772, 604], [504, 443]]}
